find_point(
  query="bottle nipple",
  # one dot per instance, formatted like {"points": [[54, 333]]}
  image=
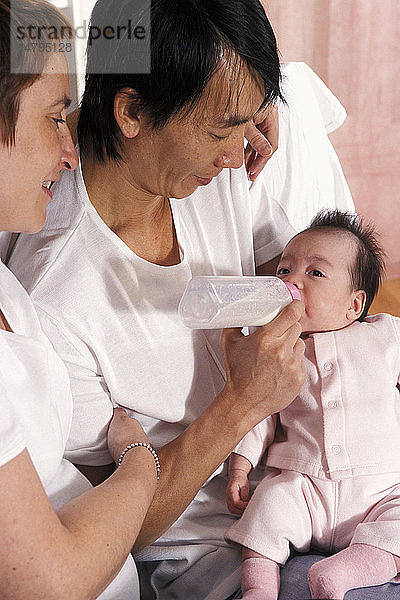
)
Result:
{"points": [[294, 292]]}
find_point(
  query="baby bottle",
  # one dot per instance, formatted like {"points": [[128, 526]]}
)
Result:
{"points": [[214, 302]]}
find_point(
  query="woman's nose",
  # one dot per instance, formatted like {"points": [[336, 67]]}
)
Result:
{"points": [[69, 157]]}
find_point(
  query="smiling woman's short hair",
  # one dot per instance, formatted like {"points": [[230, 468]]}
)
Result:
{"points": [[367, 271], [190, 41], [27, 65]]}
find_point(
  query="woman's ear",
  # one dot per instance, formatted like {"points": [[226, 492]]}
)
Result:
{"points": [[358, 299], [127, 119]]}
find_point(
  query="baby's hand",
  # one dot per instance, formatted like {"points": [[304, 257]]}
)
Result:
{"points": [[237, 491]]}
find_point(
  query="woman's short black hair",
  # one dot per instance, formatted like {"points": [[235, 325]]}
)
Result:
{"points": [[367, 271], [190, 39]]}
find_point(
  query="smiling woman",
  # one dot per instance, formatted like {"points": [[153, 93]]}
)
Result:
{"points": [[42, 134], [84, 546], [34, 95]]}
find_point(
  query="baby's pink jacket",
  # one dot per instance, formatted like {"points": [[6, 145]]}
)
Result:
{"points": [[346, 420]]}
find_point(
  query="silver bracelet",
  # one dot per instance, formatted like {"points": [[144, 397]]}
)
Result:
{"points": [[143, 445]]}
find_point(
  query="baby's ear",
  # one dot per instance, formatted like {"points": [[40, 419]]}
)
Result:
{"points": [[358, 299]]}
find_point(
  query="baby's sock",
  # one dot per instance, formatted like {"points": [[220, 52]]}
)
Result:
{"points": [[260, 579], [359, 565]]}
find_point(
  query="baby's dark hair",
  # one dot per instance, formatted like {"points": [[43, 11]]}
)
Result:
{"points": [[368, 269]]}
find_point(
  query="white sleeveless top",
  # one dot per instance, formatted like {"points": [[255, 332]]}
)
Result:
{"points": [[36, 410]]}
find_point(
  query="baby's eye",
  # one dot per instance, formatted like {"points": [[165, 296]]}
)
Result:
{"points": [[316, 273], [282, 271]]}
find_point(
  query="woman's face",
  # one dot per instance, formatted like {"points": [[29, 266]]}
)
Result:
{"points": [[190, 152], [43, 148]]}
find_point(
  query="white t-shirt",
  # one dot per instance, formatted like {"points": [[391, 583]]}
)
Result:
{"points": [[36, 410], [112, 316]]}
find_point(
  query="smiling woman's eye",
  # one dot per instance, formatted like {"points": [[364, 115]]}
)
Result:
{"points": [[58, 121], [282, 271], [316, 273]]}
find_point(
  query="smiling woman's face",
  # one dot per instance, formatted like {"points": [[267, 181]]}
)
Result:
{"points": [[43, 148]]}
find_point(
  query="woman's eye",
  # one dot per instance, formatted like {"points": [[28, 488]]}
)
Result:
{"points": [[58, 121], [316, 273], [219, 137], [282, 271]]}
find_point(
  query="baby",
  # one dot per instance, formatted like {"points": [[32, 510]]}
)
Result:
{"points": [[333, 456]]}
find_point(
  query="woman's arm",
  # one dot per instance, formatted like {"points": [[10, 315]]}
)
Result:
{"points": [[264, 374], [83, 547]]}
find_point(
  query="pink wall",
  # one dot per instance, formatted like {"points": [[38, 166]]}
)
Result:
{"points": [[354, 46]]}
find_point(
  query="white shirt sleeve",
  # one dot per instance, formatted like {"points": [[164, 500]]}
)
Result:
{"points": [[93, 407], [304, 175]]}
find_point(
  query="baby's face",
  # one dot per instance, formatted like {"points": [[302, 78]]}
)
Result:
{"points": [[318, 263]]}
